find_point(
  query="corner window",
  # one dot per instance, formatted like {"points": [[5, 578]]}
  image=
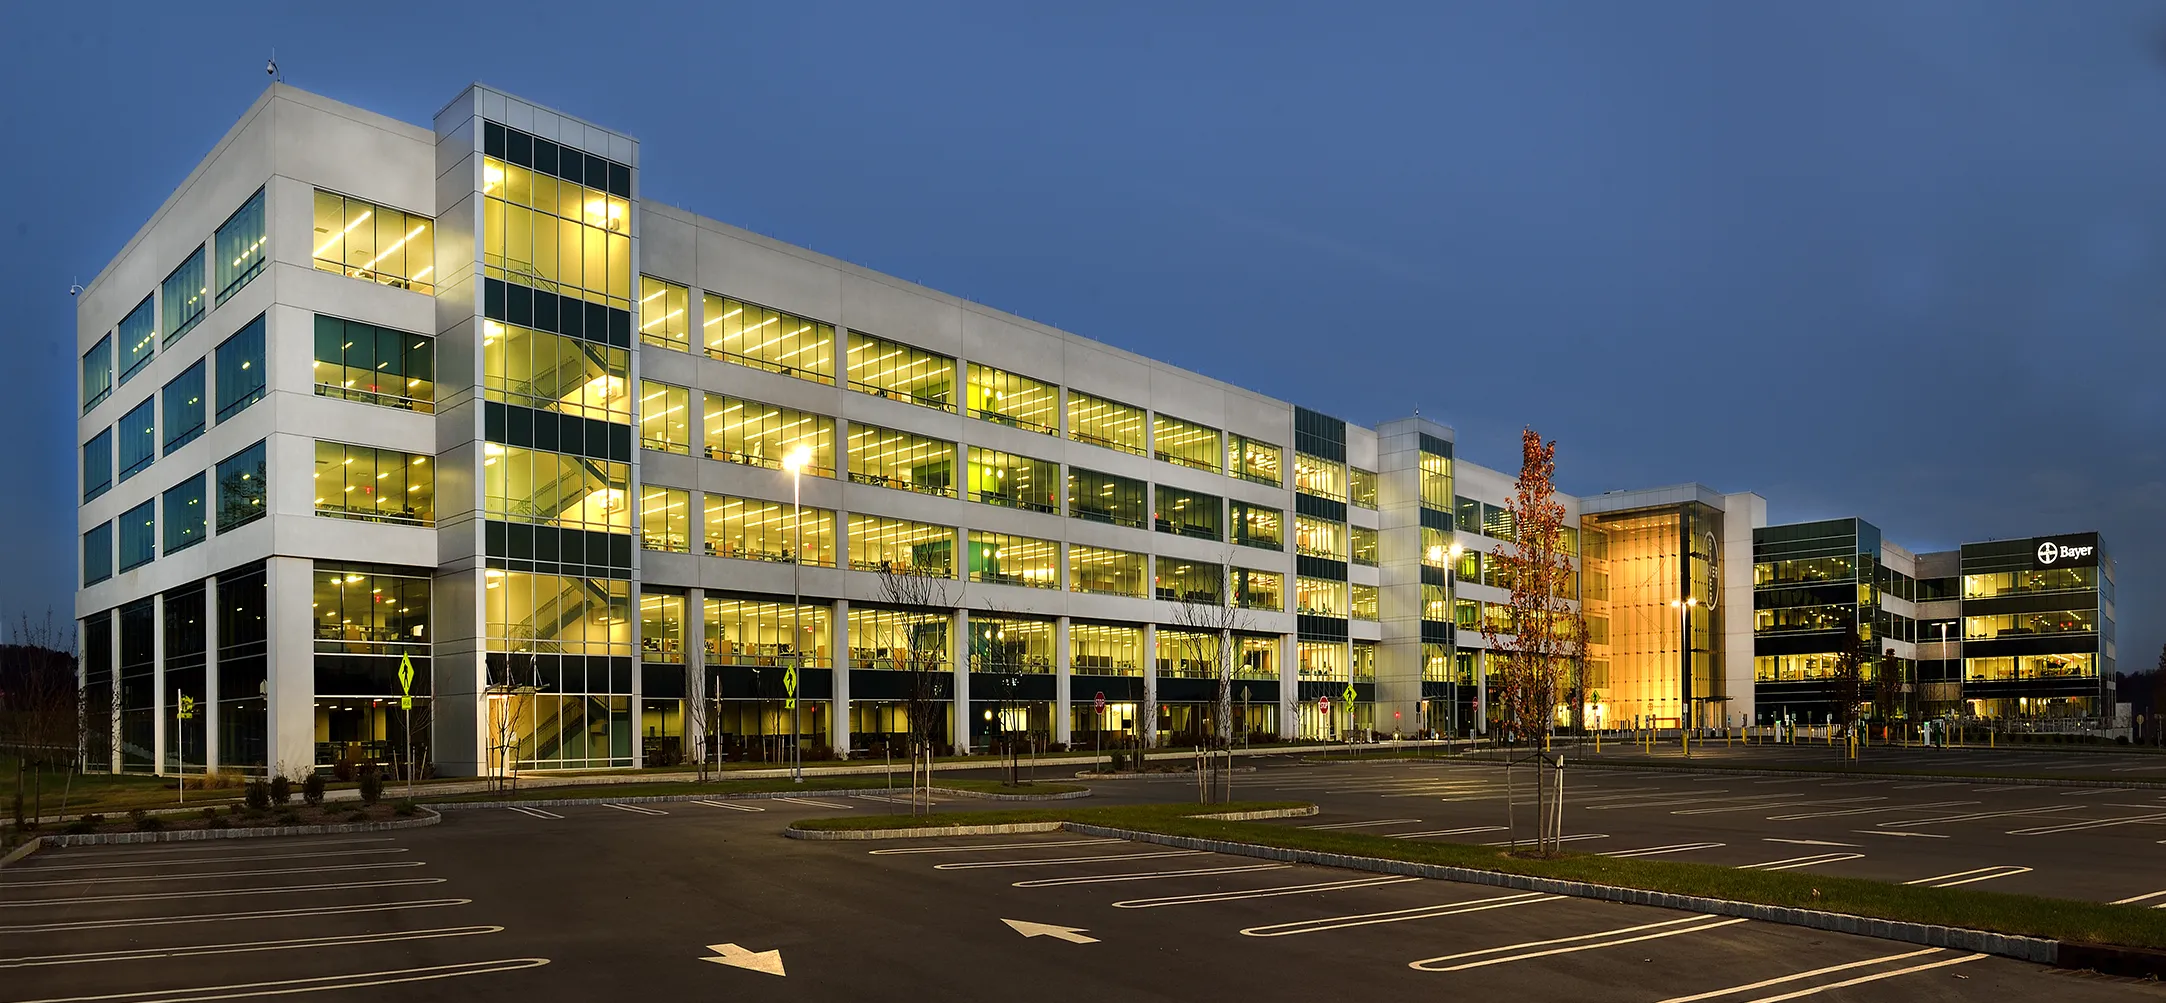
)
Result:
{"points": [[363, 240], [138, 338], [664, 313], [98, 554], [183, 405], [239, 246], [139, 535], [184, 516], [183, 296], [240, 370], [98, 373], [374, 365], [242, 489], [138, 438], [98, 464]]}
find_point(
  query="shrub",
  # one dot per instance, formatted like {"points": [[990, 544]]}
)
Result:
{"points": [[258, 795], [210, 813], [288, 816], [312, 789], [343, 769], [403, 808], [281, 790], [218, 823], [145, 821], [87, 824], [372, 786]]}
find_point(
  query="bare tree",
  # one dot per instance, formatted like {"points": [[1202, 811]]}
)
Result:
{"points": [[510, 696], [1532, 647], [40, 718], [1207, 624], [1847, 687], [699, 719], [921, 655]]}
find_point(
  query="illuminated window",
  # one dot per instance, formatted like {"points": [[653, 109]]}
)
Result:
{"points": [[1013, 481], [749, 335], [1315, 537], [1363, 664], [1256, 461], [1436, 481], [139, 535], [754, 530], [762, 435], [1435, 603], [999, 558], [742, 632], [1105, 650], [1107, 423], [899, 545], [661, 628], [1191, 581], [375, 365], [1255, 657], [555, 233], [1188, 513], [375, 485], [1105, 572], [1365, 602], [900, 460], [665, 317], [1986, 586], [184, 408], [1010, 644], [1185, 443], [665, 519], [1187, 654], [362, 240], [899, 372], [138, 338], [1496, 522], [183, 297], [1323, 661], [239, 246], [242, 488], [1253, 589], [240, 370], [1320, 597], [524, 612], [1257, 526], [98, 373], [665, 414], [2007, 667], [1362, 545], [1107, 498], [1361, 488], [2060, 621], [554, 489], [551, 372], [1017, 401], [1320, 477], [893, 639], [184, 514], [138, 438]]}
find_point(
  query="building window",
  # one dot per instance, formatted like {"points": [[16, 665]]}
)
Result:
{"points": [[665, 317], [1191, 581], [1314, 475], [900, 460], [1496, 522], [138, 438], [139, 535], [1435, 604], [1364, 603], [665, 417], [777, 342], [240, 369], [661, 628], [1012, 481], [1361, 488], [375, 485], [1320, 597], [761, 435], [239, 246], [899, 545], [1364, 662], [242, 485], [552, 372], [1362, 545], [665, 519], [2060, 621], [98, 554], [184, 514], [1986, 586], [1106, 498], [1319, 538], [553, 234], [1000, 559], [891, 639], [98, 373], [1256, 461], [184, 297], [374, 365], [899, 372], [1104, 650], [1258, 526], [754, 530], [1436, 481], [1189, 513], [525, 612], [1016, 401], [1187, 654], [362, 240], [1185, 443], [98, 464], [138, 338], [184, 408], [1105, 572], [1010, 644], [1253, 589], [538, 486], [741, 632], [1468, 515], [1107, 423]]}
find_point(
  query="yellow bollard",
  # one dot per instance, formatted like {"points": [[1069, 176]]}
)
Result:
{"points": [[1992, 739]]}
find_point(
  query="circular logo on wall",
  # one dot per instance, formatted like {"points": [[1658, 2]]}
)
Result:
{"points": [[2047, 552]]}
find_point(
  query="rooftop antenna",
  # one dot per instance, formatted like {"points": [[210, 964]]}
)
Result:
{"points": [[271, 67]]}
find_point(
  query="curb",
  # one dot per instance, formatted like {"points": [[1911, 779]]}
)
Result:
{"points": [[2031, 949], [29, 847], [753, 796], [199, 835], [1008, 828], [1585, 764]]}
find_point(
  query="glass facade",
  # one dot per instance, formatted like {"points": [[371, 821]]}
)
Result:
{"points": [[1251, 460], [373, 485], [242, 486], [665, 418], [1106, 572], [1253, 589], [1013, 481], [1002, 559], [665, 314], [1361, 488], [139, 535], [1106, 498], [762, 435], [1016, 401], [239, 247], [184, 514], [900, 545], [555, 233], [1365, 603], [1189, 513], [1361, 544], [897, 371], [1319, 538], [374, 243], [240, 370], [1191, 581], [770, 340], [138, 438], [1257, 525], [1185, 444], [665, 519], [375, 365], [1436, 481], [555, 372], [183, 297], [184, 408], [755, 530], [1314, 475], [1320, 597], [138, 338], [901, 460], [547, 488], [1108, 423]]}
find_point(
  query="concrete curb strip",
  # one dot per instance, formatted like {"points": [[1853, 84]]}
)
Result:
{"points": [[198, 835], [898, 792], [2032, 949]]}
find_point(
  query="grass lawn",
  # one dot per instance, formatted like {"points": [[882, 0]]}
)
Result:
{"points": [[2026, 915], [765, 785]]}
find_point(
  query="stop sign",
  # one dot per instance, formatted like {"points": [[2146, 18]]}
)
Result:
{"points": [[1323, 705], [1099, 701]]}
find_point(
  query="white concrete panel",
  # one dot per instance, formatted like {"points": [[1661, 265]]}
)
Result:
{"points": [[733, 265], [900, 313], [669, 248]]}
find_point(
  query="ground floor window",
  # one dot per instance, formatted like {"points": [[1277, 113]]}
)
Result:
{"points": [[1197, 723], [882, 727], [762, 731], [553, 731], [356, 732]]}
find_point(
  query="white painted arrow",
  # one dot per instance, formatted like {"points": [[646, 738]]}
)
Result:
{"points": [[1070, 934], [741, 957]]}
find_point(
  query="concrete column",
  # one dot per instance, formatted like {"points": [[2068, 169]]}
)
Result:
{"points": [[838, 655], [1063, 700], [208, 709], [695, 668], [1289, 687], [959, 651], [160, 701], [1147, 708], [291, 698], [1481, 692]]}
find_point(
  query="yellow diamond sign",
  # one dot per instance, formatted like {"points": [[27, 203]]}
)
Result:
{"points": [[1348, 694]]}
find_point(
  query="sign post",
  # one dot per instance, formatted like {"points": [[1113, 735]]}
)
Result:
{"points": [[406, 705], [1323, 710], [1347, 695], [184, 709], [1098, 704]]}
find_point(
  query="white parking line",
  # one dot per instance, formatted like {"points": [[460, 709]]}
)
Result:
{"points": [[1969, 877], [2073, 826], [1764, 983], [889, 800], [146, 878], [533, 812], [1803, 842], [989, 846], [227, 917], [216, 860], [1395, 915], [282, 987], [634, 808], [1105, 879], [1766, 804], [273, 844], [153, 953], [1794, 863], [1357, 825], [1263, 893], [1973, 816], [217, 893], [1862, 979], [1768, 800], [1920, 787], [1893, 832], [1607, 938], [1865, 811], [1656, 851], [812, 803], [970, 865], [2094, 790], [2147, 896], [1444, 832], [1856, 783], [730, 806], [1559, 839]]}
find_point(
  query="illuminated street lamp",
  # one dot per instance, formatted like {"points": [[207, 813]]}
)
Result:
{"points": [[795, 462], [1451, 603]]}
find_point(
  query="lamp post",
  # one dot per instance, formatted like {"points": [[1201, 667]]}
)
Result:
{"points": [[1451, 610], [1684, 644], [794, 462]]}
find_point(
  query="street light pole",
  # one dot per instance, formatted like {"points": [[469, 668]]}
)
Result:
{"points": [[1451, 603], [795, 464], [1684, 644]]}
